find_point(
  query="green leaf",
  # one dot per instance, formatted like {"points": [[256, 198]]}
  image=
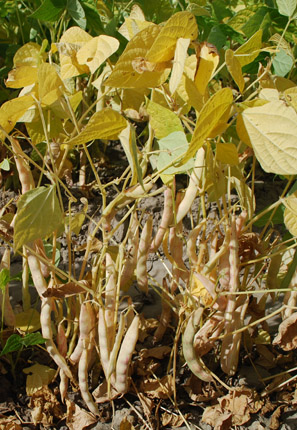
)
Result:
{"points": [[38, 215], [217, 37], [49, 11], [278, 217], [92, 16], [4, 278], [77, 13], [171, 147], [33, 339], [13, 343], [4, 165], [286, 7], [282, 63], [255, 22]]}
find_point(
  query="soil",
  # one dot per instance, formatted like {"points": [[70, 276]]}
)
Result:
{"points": [[278, 411]]}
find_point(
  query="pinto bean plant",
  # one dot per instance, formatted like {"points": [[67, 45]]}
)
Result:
{"points": [[194, 122]]}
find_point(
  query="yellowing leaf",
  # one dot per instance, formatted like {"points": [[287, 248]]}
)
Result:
{"points": [[163, 121], [181, 24], [250, 50], [134, 23], [38, 376], [105, 124], [38, 215], [96, 51], [50, 85], [227, 153], [291, 97], [208, 61], [133, 98], [12, 111], [290, 214], [180, 56], [28, 321], [21, 77], [124, 74], [214, 109], [272, 129], [234, 68], [28, 55]]}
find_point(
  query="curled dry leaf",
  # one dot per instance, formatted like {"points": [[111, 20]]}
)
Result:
{"points": [[77, 418], [45, 407], [172, 421], [287, 334], [9, 423], [233, 409]]}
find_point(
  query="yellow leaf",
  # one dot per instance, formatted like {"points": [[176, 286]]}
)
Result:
{"points": [[134, 23], [242, 131], [272, 129], [213, 110], [28, 55], [180, 56], [208, 61], [187, 89], [50, 85], [28, 321], [21, 77], [250, 50], [290, 214], [198, 290], [70, 66], [38, 376], [76, 36], [124, 74], [70, 43], [96, 51], [227, 153], [234, 68], [12, 111], [105, 124], [163, 120], [181, 24]]}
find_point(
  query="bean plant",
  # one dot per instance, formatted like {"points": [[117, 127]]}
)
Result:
{"points": [[199, 114]]}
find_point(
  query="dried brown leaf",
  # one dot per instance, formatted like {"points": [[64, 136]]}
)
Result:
{"points": [[237, 405], [45, 407], [66, 290], [158, 388], [100, 393], [172, 421], [9, 423], [274, 422], [287, 333], [77, 418], [157, 352], [216, 417]]}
